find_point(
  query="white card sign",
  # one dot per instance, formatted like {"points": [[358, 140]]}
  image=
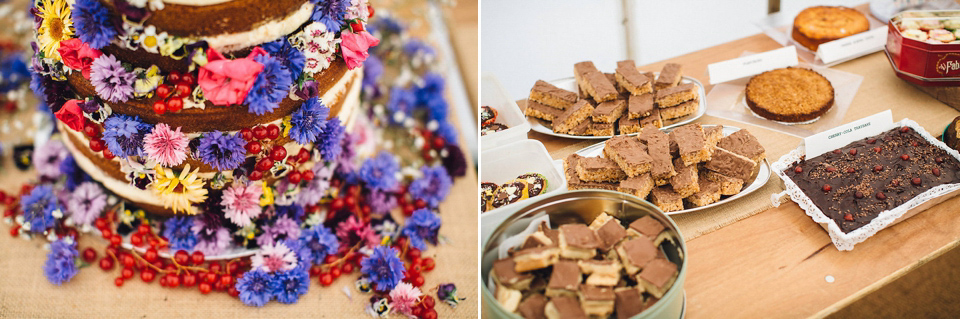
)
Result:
{"points": [[752, 64], [845, 134], [853, 45]]}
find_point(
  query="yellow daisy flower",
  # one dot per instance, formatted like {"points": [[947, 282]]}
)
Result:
{"points": [[56, 26], [179, 191]]}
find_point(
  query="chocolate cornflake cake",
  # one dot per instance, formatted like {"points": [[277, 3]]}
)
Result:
{"points": [[855, 183], [524, 186], [603, 270]]}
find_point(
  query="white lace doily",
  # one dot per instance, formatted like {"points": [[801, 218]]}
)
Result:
{"points": [[846, 241]]}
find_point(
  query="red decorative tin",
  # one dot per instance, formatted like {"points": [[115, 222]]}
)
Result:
{"points": [[925, 62]]}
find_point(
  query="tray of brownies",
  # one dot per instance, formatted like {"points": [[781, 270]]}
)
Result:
{"points": [[681, 170], [596, 105]]}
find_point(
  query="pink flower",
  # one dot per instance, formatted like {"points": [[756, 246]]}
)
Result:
{"points": [[225, 81], [78, 55], [274, 257], [355, 46], [71, 115], [353, 231], [242, 202], [165, 146], [404, 297]]}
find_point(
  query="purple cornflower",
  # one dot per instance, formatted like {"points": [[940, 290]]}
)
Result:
{"points": [[329, 143], [318, 242], [381, 202], [124, 135], [86, 203], [211, 239], [61, 263], [221, 151], [379, 172], [421, 228], [73, 174], [270, 88], [330, 13], [308, 122], [314, 190], [400, 100], [178, 231], [38, 207], [92, 21], [111, 80], [433, 187], [284, 227], [48, 157], [383, 267]]}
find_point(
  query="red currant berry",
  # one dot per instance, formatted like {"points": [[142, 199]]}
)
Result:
{"points": [[416, 261], [347, 268], [417, 312], [205, 288], [335, 272], [118, 282], [127, 260], [136, 240], [182, 257], [350, 201], [413, 253], [211, 277], [147, 275], [294, 177], [89, 255], [260, 132], [159, 107], [188, 78], [326, 279], [246, 134], [106, 233], [197, 257], [264, 165], [163, 91], [106, 263], [303, 155], [173, 77], [150, 255], [100, 223], [233, 268], [143, 229], [415, 269], [428, 264], [175, 104], [233, 292], [370, 9], [108, 154], [418, 281], [428, 302], [173, 281], [273, 131], [90, 130], [853, 151], [429, 314], [189, 280], [408, 210], [278, 153], [226, 280], [336, 205], [183, 90], [116, 240], [330, 259], [255, 176], [253, 147], [163, 281], [127, 273], [307, 175], [420, 203], [96, 145]]}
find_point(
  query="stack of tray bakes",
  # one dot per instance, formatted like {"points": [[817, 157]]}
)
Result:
{"points": [[691, 165], [614, 103], [578, 270]]}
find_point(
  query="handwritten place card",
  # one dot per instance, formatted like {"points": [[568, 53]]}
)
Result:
{"points": [[752, 64], [845, 134], [853, 45]]}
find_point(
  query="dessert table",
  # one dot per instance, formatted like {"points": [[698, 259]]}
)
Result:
{"points": [[26, 293], [749, 259]]}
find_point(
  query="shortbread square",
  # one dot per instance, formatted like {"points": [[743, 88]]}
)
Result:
{"points": [[577, 241], [657, 277]]}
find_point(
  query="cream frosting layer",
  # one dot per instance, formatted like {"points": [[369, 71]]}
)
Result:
{"points": [[266, 32]]}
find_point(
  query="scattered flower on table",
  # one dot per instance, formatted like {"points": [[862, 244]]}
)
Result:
{"points": [[274, 257], [92, 22], [289, 285], [38, 207], [47, 158], [319, 242], [381, 202], [379, 173], [404, 297], [242, 202], [111, 80], [447, 292], [433, 186], [353, 231], [61, 264], [179, 232], [255, 288], [212, 239], [283, 227], [166, 146], [72, 173], [316, 189], [86, 203], [422, 227], [383, 267]]}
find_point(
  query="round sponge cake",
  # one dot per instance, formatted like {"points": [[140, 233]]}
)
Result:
{"points": [[818, 25], [790, 95]]}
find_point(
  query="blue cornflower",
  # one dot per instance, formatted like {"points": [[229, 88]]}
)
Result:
{"points": [[289, 285], [124, 135], [383, 267], [178, 231], [270, 88], [37, 84], [432, 88], [308, 122], [92, 21], [447, 132], [385, 23], [254, 288], [318, 242], [329, 143], [330, 13], [433, 187], [74, 175], [414, 46], [13, 72], [291, 58], [421, 228], [292, 211], [437, 109], [38, 207], [379, 172], [400, 100], [372, 70], [61, 264], [221, 151]]}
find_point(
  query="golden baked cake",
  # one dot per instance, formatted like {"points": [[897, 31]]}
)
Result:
{"points": [[789, 95], [818, 25]]}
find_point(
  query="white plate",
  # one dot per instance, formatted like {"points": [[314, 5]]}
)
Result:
{"points": [[570, 84], [761, 178]]}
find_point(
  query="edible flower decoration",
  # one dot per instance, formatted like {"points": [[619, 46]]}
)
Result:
{"points": [[179, 191], [227, 82], [355, 47], [78, 55]]}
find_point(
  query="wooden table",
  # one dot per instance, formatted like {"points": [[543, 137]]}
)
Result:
{"points": [[779, 263]]}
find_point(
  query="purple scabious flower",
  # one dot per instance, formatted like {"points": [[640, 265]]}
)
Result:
{"points": [[74, 175], [52, 93], [308, 122], [111, 81], [212, 239], [178, 231], [254, 288], [449, 133], [379, 173], [433, 187], [289, 285], [270, 88], [92, 21], [372, 70], [86, 203], [61, 264], [421, 228], [318, 242], [223, 152], [330, 13], [124, 135], [38, 207], [381, 202], [383, 267], [291, 58], [284, 227], [345, 165], [47, 158], [400, 100], [329, 143]]}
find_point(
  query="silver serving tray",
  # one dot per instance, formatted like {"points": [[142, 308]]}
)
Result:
{"points": [[760, 176], [570, 84]]}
